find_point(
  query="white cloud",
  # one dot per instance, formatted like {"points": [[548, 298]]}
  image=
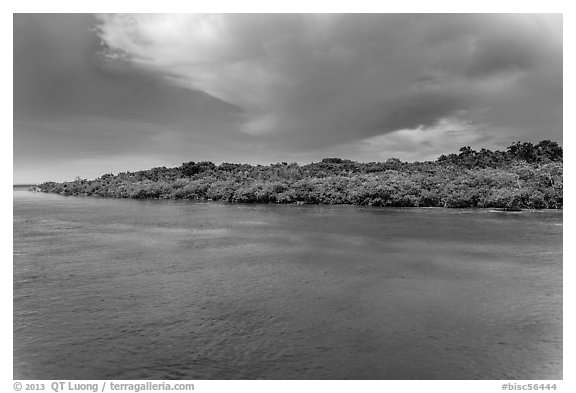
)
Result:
{"points": [[213, 53], [448, 135]]}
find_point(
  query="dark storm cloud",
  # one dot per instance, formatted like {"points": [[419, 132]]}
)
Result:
{"points": [[61, 76], [59, 71]]}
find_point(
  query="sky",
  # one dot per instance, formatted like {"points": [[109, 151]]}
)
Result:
{"points": [[95, 94]]}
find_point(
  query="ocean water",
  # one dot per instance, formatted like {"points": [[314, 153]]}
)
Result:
{"points": [[125, 289]]}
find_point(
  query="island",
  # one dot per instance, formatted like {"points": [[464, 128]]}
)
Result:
{"points": [[525, 176]]}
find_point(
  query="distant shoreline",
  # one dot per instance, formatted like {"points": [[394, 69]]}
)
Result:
{"points": [[526, 176]]}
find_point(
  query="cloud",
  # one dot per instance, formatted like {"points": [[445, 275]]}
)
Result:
{"points": [[308, 81], [60, 72], [424, 143]]}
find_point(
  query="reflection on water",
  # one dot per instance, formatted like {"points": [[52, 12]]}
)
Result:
{"points": [[122, 289]]}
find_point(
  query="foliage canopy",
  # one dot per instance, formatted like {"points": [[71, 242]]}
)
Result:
{"points": [[523, 176]]}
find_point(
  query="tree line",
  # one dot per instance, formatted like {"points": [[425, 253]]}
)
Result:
{"points": [[525, 176]]}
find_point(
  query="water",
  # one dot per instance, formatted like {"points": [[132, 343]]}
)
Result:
{"points": [[123, 289]]}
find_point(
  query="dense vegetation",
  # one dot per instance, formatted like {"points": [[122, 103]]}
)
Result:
{"points": [[523, 176]]}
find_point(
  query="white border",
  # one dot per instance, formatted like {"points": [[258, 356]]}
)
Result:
{"points": [[549, 6]]}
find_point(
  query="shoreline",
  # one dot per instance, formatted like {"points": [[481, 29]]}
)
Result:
{"points": [[217, 202]]}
